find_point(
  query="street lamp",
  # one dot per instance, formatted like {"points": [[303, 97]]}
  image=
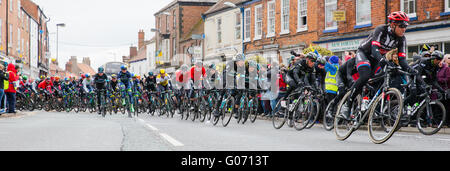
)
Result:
{"points": [[57, 38], [229, 4]]}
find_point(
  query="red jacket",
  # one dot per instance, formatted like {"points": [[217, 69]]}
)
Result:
{"points": [[12, 78], [44, 85]]}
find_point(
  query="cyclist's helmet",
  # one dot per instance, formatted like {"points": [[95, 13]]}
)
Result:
{"points": [[162, 71], [83, 75], [399, 17], [150, 74], [123, 67], [240, 57], [252, 64], [425, 54], [57, 78], [437, 55], [184, 68], [313, 56], [101, 69], [114, 76], [25, 77], [88, 76], [212, 66], [133, 75], [198, 63], [66, 79], [321, 61]]}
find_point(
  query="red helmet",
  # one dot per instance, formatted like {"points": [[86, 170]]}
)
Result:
{"points": [[83, 76], [398, 17]]}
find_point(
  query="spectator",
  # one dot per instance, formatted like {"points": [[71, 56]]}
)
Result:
{"points": [[443, 76], [3, 78], [447, 59], [11, 91]]}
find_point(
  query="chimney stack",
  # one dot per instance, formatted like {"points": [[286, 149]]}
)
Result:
{"points": [[141, 39]]}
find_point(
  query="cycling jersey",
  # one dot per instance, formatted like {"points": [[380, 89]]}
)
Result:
{"points": [[87, 85], [125, 78], [150, 83], [301, 75], [163, 79], [100, 81], [380, 42]]}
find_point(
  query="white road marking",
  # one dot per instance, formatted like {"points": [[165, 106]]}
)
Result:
{"points": [[443, 139], [173, 141], [148, 125]]}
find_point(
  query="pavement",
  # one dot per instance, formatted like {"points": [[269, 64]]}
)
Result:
{"points": [[49, 131]]}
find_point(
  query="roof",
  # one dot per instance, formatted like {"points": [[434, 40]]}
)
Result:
{"points": [[178, 1], [220, 5], [86, 69], [196, 29]]}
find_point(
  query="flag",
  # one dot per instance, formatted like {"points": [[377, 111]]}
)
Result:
{"points": [[160, 54]]}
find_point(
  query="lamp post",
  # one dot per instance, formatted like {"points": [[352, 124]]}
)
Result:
{"points": [[57, 39]]}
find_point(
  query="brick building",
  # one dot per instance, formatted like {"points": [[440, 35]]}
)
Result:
{"points": [[429, 23], [73, 67], [271, 28], [24, 36], [279, 26], [173, 23]]}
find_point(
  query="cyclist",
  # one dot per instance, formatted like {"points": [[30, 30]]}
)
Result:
{"points": [[150, 82], [66, 87], [87, 84], [427, 68], [125, 78], [100, 80], [163, 80], [232, 76], [369, 58], [302, 74], [113, 85], [211, 75]]}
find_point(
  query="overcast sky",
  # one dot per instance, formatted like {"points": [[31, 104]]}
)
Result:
{"points": [[98, 28]]}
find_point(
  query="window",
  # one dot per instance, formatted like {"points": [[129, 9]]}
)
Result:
{"points": [[447, 48], [18, 8], [409, 7], [174, 20], [284, 16], [271, 18], [247, 23], [18, 39], [258, 22], [363, 12], [238, 26], [447, 5], [174, 47], [302, 13], [167, 24], [330, 7], [10, 35], [219, 30], [11, 5]]}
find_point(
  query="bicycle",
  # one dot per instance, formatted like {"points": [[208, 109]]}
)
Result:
{"points": [[225, 110], [430, 115], [380, 117]]}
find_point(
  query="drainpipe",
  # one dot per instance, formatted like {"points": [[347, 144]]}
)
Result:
{"points": [[386, 11], [243, 29]]}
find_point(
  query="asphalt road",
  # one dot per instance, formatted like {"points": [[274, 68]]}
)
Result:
{"points": [[37, 131]]}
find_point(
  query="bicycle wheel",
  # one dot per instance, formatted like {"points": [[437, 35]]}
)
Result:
{"points": [[245, 111], [343, 128], [280, 116], [314, 114], [302, 113], [431, 118], [253, 112], [384, 116], [203, 111], [227, 112], [328, 117]]}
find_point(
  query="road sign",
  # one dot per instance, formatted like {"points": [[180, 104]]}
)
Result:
{"points": [[339, 16]]}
